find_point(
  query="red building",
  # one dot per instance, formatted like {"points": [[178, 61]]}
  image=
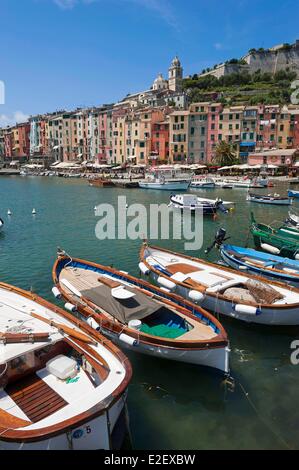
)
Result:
{"points": [[160, 141], [24, 140]]}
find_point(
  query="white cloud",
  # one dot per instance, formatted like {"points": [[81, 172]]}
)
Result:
{"points": [[8, 120], [162, 8], [65, 4]]}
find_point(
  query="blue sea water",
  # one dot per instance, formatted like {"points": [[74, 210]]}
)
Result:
{"points": [[171, 405]]}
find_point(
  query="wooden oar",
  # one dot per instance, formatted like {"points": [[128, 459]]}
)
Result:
{"points": [[70, 331], [24, 337]]}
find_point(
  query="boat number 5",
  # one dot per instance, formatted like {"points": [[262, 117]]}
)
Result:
{"points": [[295, 354]]}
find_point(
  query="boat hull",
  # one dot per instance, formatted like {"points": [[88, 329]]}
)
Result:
{"points": [[275, 317], [167, 186], [278, 202], [217, 358], [92, 435], [294, 194], [288, 278]]}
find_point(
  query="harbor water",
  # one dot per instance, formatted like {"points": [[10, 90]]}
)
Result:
{"points": [[171, 405]]}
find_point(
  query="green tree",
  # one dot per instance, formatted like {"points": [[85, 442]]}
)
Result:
{"points": [[225, 154]]}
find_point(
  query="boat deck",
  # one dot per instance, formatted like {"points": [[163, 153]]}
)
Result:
{"points": [[207, 278], [35, 398], [83, 280]]}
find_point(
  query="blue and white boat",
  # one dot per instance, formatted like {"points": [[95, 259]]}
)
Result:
{"points": [[262, 264], [292, 193]]}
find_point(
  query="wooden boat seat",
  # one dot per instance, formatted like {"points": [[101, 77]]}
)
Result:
{"points": [[7, 420], [109, 282], [35, 398], [183, 268]]}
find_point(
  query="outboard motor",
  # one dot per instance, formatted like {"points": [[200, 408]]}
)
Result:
{"points": [[220, 237], [219, 205]]}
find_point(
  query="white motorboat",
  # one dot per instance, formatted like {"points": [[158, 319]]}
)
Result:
{"points": [[63, 386], [222, 290], [204, 183], [165, 185], [193, 203], [1, 224]]}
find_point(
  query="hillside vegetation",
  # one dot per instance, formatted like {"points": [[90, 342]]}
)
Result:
{"points": [[242, 88]]}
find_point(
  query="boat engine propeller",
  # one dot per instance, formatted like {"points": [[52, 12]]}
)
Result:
{"points": [[220, 237]]}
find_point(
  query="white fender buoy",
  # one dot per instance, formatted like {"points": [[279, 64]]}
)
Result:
{"points": [[247, 309], [243, 268], [270, 248], [165, 290], [9, 212], [144, 269], [33, 211], [128, 339], [91, 322], [166, 283], [195, 296], [56, 293], [297, 256], [70, 307]]}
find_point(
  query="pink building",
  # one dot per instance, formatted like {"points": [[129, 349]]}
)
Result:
{"points": [[277, 157]]}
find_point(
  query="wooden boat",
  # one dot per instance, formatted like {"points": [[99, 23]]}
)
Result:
{"points": [[101, 182], [204, 183], [222, 290], [1, 224], [259, 263], [283, 241], [292, 193], [49, 361], [269, 199], [141, 317]]}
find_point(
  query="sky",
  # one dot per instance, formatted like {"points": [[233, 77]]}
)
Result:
{"points": [[63, 54]]}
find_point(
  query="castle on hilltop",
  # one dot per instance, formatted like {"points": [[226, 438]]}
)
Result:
{"points": [[272, 60]]}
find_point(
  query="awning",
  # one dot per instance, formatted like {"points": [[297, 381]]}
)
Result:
{"points": [[80, 155], [247, 144], [56, 163], [67, 165], [117, 168], [14, 162], [131, 157], [56, 147]]}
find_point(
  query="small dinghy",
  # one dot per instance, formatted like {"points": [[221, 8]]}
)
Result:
{"points": [[259, 263], [141, 317], [292, 193], [1, 224], [222, 290], [275, 199], [49, 362]]}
